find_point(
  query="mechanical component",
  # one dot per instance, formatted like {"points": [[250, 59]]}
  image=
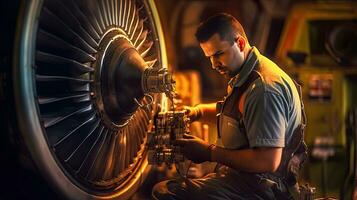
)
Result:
{"points": [[157, 81], [168, 126], [77, 77]]}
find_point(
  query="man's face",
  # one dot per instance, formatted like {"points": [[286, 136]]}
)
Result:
{"points": [[224, 57]]}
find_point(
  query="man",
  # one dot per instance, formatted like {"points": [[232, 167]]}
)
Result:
{"points": [[260, 124]]}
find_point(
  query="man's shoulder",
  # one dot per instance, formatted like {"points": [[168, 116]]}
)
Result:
{"points": [[260, 87], [270, 72], [273, 78], [270, 84]]}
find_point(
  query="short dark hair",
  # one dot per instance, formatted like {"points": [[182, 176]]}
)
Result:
{"points": [[224, 24]]}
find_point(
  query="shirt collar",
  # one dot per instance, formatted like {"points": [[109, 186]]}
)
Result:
{"points": [[247, 67]]}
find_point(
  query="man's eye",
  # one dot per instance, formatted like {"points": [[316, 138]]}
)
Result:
{"points": [[219, 54]]}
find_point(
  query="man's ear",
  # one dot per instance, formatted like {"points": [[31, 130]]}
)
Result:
{"points": [[241, 43]]}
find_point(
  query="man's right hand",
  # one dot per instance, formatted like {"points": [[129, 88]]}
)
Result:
{"points": [[193, 113]]}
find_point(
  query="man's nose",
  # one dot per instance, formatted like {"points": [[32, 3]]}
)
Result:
{"points": [[214, 63]]}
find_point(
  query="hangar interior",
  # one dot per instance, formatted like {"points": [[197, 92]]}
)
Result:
{"points": [[82, 84]]}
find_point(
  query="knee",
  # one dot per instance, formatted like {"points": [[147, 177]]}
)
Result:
{"points": [[162, 191], [159, 190]]}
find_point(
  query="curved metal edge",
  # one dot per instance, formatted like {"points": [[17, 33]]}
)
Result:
{"points": [[26, 109], [160, 35], [27, 113]]}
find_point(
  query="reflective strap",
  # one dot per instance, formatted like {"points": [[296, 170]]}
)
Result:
{"points": [[219, 107]]}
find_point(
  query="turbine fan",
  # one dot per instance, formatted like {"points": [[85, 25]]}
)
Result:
{"points": [[98, 153]]}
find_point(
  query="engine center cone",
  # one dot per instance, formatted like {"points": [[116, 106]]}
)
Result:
{"points": [[118, 80]]}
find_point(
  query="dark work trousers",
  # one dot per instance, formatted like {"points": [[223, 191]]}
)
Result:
{"points": [[229, 185]]}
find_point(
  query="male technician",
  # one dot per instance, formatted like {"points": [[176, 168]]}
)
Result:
{"points": [[260, 124]]}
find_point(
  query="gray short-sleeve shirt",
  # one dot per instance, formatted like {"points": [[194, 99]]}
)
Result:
{"points": [[272, 108]]}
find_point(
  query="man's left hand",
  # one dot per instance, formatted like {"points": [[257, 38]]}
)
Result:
{"points": [[194, 148]]}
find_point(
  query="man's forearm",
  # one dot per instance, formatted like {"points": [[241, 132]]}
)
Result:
{"points": [[249, 160], [208, 111]]}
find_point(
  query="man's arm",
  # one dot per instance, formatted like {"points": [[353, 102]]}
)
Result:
{"points": [[208, 111], [202, 112], [256, 160]]}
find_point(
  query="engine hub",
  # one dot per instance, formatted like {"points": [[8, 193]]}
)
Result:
{"points": [[117, 76]]}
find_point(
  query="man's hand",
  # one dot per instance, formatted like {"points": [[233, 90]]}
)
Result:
{"points": [[193, 113], [194, 148]]}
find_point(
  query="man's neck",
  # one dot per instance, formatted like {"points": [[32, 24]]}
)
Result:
{"points": [[247, 50]]}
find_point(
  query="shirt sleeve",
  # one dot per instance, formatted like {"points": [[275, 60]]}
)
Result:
{"points": [[265, 118]]}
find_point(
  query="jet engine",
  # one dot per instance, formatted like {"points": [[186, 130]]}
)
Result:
{"points": [[79, 93]]}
